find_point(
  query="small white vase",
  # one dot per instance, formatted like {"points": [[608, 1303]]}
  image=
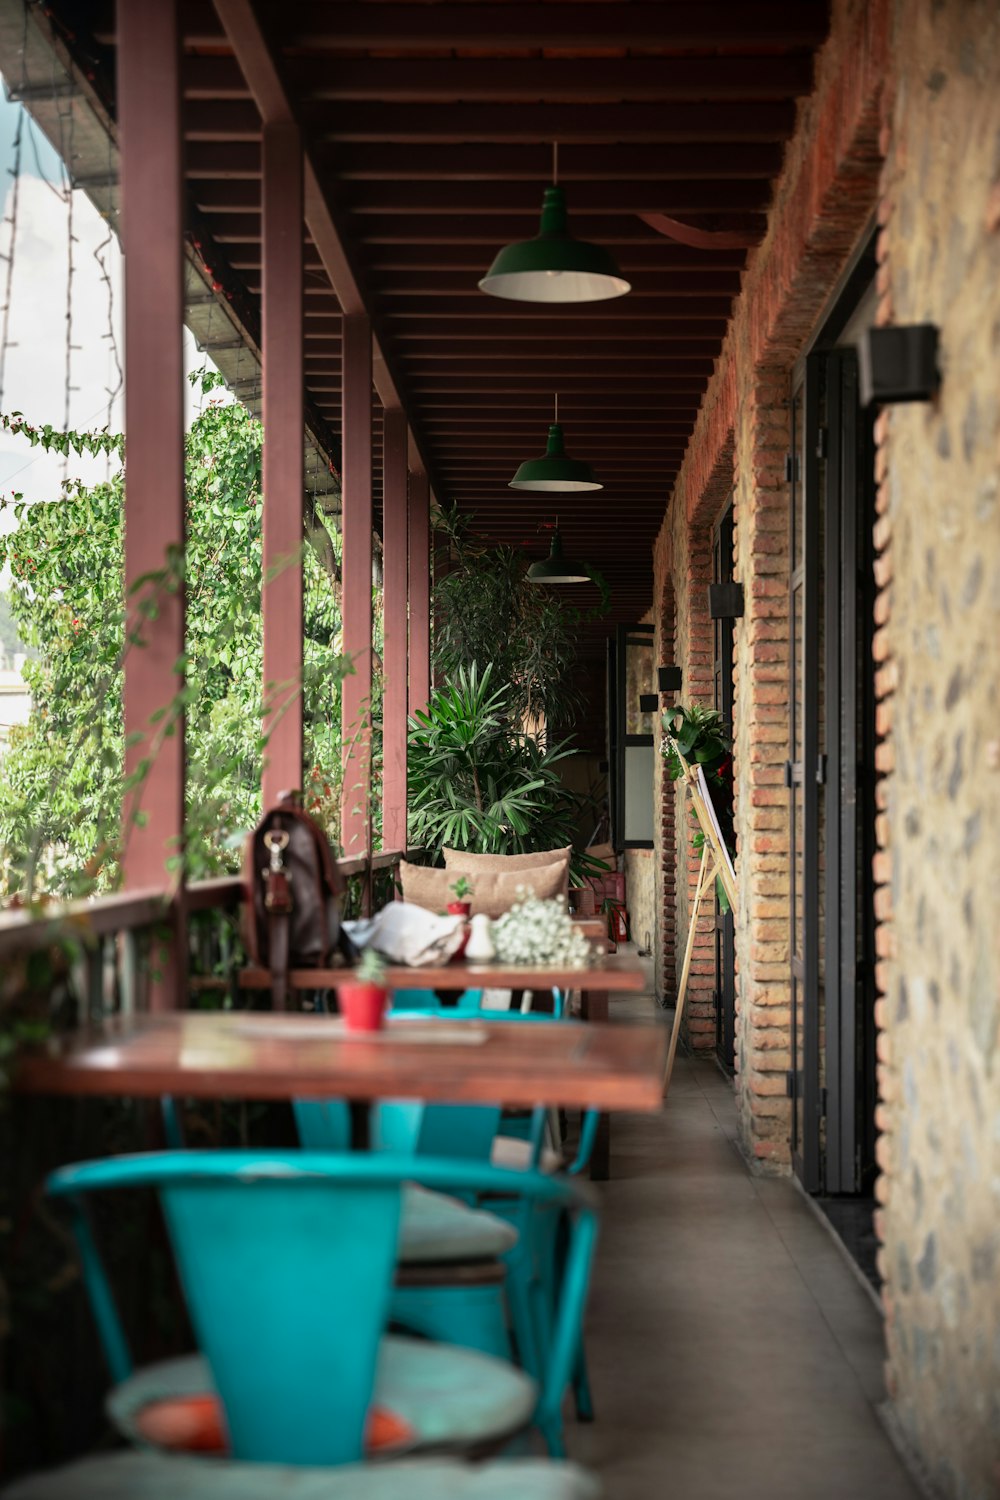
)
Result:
{"points": [[479, 949]]}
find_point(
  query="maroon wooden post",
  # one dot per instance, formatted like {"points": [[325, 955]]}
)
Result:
{"points": [[357, 589], [152, 238], [284, 420], [420, 592], [394, 623]]}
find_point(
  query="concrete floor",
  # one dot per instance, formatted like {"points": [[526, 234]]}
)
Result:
{"points": [[733, 1352]]}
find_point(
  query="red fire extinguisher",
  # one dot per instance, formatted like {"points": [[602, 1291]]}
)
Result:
{"points": [[617, 922]]}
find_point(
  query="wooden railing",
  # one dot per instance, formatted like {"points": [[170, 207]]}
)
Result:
{"points": [[99, 951]]}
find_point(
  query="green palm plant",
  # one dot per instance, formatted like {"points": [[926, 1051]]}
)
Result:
{"points": [[476, 782]]}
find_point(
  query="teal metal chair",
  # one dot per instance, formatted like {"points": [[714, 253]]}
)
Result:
{"points": [[453, 1256], [292, 1339], [476, 1131]]}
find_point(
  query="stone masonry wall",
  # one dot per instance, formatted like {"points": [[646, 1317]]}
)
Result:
{"points": [[938, 653]]}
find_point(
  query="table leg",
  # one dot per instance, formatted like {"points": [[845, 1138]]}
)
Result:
{"points": [[594, 1008], [360, 1124]]}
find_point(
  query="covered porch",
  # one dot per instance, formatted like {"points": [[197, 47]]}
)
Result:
{"points": [[318, 192]]}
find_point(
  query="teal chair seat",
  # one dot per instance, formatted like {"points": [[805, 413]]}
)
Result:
{"points": [[449, 1398], [149, 1476], [439, 1229]]}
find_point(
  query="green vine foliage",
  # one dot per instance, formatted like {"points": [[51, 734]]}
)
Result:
{"points": [[61, 781]]}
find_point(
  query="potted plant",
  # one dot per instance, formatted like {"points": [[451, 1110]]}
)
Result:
{"points": [[363, 1001], [461, 906], [700, 735]]}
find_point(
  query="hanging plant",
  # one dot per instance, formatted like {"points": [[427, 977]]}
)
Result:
{"points": [[699, 735]]}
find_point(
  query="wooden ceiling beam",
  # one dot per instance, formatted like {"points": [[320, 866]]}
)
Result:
{"points": [[498, 124], [496, 317], [654, 253], [493, 230], [468, 359], [619, 196], [445, 80], [699, 333], [456, 284], [571, 25], [702, 160]]}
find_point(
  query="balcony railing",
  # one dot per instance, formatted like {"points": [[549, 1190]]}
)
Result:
{"points": [[94, 958]]}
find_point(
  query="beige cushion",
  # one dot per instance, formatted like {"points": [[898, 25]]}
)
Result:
{"points": [[494, 892], [472, 865]]}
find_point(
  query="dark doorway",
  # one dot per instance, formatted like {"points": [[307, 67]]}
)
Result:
{"points": [[831, 773], [722, 675]]}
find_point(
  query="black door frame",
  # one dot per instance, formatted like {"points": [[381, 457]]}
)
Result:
{"points": [[724, 692], [832, 779]]}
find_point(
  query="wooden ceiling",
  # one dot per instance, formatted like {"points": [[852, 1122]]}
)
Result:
{"points": [[430, 127]]}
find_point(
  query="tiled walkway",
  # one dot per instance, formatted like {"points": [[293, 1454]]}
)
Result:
{"points": [[733, 1354]]}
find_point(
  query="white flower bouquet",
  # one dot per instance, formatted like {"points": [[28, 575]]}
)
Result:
{"points": [[540, 932]]}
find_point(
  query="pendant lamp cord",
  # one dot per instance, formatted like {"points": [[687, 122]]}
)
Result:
{"points": [[556, 400], [555, 163]]}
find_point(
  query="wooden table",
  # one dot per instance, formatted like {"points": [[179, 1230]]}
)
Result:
{"points": [[250, 1055], [617, 971], [614, 972]]}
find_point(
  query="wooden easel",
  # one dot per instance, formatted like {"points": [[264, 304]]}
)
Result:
{"points": [[715, 864]]}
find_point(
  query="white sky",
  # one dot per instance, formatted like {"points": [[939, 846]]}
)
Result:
{"points": [[34, 380]]}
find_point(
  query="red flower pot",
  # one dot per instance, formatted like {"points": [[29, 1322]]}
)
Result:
{"points": [[461, 909], [362, 1006]]}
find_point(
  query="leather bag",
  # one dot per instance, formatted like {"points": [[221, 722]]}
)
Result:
{"points": [[293, 894]]}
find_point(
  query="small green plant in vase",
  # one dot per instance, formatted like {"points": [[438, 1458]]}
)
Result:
{"points": [[463, 892], [363, 1000]]}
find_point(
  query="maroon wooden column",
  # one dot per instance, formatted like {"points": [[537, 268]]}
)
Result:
{"points": [[283, 414], [395, 573], [152, 238], [357, 589], [420, 592]]}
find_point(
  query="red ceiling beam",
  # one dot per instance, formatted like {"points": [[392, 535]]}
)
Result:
{"points": [[494, 315], [642, 253], [615, 124], [667, 283], [569, 25], [315, 24], [622, 195], [372, 161], [590, 81]]}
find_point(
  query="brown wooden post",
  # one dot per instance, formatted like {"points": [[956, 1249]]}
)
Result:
{"points": [[357, 588], [420, 592], [281, 602], [152, 237], [394, 621]]}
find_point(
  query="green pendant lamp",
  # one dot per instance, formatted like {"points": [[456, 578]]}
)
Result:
{"points": [[556, 568], [554, 470], [554, 267]]}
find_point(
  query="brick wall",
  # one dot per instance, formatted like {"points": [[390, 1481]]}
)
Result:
{"points": [[937, 648], [827, 191]]}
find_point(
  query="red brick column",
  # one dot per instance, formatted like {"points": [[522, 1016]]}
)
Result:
{"points": [[666, 655], [761, 670]]}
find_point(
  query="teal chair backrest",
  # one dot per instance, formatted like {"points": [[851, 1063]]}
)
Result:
{"points": [[286, 1259]]}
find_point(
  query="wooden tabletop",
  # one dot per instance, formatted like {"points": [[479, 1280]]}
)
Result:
{"points": [[250, 1055], [618, 971]]}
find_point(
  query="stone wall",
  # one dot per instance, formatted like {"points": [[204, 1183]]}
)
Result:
{"points": [[938, 650]]}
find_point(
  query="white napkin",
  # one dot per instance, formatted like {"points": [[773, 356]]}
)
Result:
{"points": [[407, 934]]}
